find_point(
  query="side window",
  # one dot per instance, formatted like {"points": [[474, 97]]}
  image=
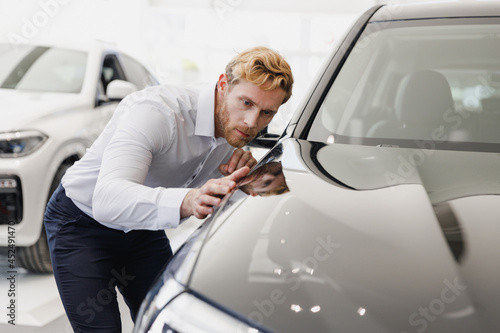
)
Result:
{"points": [[111, 70], [136, 73]]}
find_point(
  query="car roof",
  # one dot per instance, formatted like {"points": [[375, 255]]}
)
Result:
{"points": [[94, 46], [443, 9]]}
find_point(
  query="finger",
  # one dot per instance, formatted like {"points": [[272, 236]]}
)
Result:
{"points": [[201, 212], [223, 169], [205, 205], [251, 162], [231, 164], [208, 200], [246, 160], [238, 174], [234, 160], [219, 187]]}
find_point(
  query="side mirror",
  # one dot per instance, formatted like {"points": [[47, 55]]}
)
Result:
{"points": [[118, 89], [266, 140]]}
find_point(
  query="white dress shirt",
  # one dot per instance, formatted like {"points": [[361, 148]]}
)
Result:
{"points": [[159, 143]]}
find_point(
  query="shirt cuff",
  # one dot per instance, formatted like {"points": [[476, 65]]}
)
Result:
{"points": [[169, 209]]}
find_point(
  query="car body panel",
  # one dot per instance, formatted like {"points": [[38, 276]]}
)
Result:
{"points": [[18, 106], [412, 11], [370, 236], [354, 254]]}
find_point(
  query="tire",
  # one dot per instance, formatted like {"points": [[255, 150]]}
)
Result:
{"points": [[36, 258]]}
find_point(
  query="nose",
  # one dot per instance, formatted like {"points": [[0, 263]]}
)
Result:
{"points": [[251, 118]]}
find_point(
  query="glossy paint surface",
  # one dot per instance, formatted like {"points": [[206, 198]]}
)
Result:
{"points": [[323, 257]]}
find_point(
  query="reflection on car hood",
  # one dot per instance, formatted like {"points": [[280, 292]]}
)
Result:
{"points": [[20, 108], [354, 245]]}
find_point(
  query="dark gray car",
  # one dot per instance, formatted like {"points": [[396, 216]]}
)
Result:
{"points": [[378, 209]]}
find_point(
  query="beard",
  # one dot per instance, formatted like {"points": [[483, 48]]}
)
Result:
{"points": [[227, 129]]}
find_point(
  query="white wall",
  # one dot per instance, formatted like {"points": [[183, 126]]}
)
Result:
{"points": [[189, 40]]}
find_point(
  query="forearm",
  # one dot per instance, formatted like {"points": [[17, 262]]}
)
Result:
{"points": [[135, 206]]}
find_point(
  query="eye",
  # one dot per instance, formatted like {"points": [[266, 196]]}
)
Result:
{"points": [[247, 103], [267, 113]]}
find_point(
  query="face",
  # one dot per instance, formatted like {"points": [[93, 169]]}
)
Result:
{"points": [[269, 178], [264, 180], [243, 110]]}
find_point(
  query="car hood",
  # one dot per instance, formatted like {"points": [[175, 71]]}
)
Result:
{"points": [[21, 108], [363, 239]]}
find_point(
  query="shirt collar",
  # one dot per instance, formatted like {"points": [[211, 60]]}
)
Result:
{"points": [[205, 125]]}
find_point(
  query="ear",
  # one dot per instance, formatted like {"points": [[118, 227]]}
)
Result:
{"points": [[222, 84]]}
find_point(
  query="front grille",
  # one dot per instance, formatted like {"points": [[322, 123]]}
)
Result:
{"points": [[11, 200]]}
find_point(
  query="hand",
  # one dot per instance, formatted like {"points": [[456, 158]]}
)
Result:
{"points": [[200, 202], [239, 159]]}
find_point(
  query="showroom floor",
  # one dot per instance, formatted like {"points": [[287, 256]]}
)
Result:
{"points": [[38, 306]]}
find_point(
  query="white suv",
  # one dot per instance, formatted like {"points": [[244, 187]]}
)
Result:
{"points": [[54, 102]]}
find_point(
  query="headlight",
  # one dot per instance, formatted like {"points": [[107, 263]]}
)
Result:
{"points": [[188, 313], [20, 143], [170, 307]]}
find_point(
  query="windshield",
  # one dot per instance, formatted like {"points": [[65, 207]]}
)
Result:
{"points": [[35, 68], [422, 83]]}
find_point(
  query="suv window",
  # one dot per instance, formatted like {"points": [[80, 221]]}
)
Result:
{"points": [[136, 73], [37, 68]]}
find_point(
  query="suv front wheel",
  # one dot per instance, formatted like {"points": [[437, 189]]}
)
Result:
{"points": [[36, 258]]}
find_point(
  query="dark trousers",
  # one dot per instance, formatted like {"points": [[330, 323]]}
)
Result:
{"points": [[90, 261]]}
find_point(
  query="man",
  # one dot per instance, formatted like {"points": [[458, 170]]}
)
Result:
{"points": [[168, 153]]}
